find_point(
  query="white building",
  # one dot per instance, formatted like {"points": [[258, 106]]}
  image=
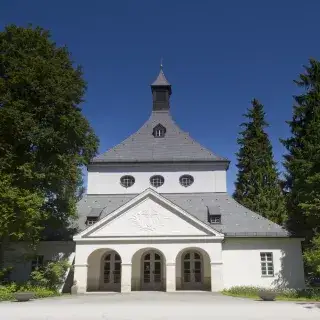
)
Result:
{"points": [[157, 216]]}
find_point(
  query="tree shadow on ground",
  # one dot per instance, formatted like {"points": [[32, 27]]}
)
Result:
{"points": [[309, 305]]}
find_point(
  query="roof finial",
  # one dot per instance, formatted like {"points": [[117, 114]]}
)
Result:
{"points": [[161, 79]]}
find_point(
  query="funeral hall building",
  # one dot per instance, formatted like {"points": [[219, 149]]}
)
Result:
{"points": [[157, 216]]}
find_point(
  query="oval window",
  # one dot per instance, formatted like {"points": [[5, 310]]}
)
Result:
{"points": [[186, 180], [157, 181], [127, 181]]}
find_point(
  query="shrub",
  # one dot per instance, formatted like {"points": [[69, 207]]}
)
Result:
{"points": [[5, 274], [7, 291], [50, 276]]}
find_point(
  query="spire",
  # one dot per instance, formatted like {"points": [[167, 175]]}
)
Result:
{"points": [[161, 92], [161, 79]]}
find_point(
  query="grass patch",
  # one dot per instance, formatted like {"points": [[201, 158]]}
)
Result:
{"points": [[311, 294], [7, 291]]}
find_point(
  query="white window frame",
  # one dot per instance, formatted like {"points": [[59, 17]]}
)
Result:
{"points": [[37, 262], [266, 264], [159, 133], [91, 221]]}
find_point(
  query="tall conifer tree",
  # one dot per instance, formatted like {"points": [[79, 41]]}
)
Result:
{"points": [[257, 184], [302, 162]]}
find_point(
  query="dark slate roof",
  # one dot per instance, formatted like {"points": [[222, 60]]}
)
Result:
{"points": [[236, 220], [95, 212], [161, 80], [142, 146]]}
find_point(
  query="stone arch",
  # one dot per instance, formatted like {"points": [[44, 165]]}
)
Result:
{"points": [[104, 270], [140, 261], [199, 263]]}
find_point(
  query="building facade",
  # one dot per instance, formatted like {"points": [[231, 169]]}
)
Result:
{"points": [[157, 216]]}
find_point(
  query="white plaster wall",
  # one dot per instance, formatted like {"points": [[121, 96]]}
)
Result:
{"points": [[133, 222], [105, 180], [126, 249], [18, 256], [241, 262]]}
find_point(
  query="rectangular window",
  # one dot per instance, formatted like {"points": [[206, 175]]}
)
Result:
{"points": [[215, 219], [37, 262], [91, 220], [266, 259]]}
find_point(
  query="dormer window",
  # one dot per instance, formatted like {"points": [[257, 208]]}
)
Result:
{"points": [[159, 131], [215, 219], [91, 220]]}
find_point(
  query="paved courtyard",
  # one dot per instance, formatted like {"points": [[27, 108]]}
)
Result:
{"points": [[156, 305]]}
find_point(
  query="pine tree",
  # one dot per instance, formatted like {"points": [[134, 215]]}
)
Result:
{"points": [[257, 185], [302, 162]]}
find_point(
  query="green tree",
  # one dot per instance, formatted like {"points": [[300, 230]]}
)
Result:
{"points": [[312, 256], [257, 186], [21, 215], [44, 138], [302, 161]]}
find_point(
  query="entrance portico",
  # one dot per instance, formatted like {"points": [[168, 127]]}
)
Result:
{"points": [[162, 267], [164, 249]]}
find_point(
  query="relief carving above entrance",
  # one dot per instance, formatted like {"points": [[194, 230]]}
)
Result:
{"points": [[149, 220]]}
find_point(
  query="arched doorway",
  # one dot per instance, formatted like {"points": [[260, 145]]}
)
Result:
{"points": [[148, 270], [110, 278], [104, 270], [152, 271], [192, 270]]}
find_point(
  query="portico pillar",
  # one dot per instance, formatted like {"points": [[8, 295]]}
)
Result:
{"points": [[126, 270], [170, 277], [216, 276], [80, 276]]}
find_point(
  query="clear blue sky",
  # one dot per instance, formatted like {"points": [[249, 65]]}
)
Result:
{"points": [[218, 55]]}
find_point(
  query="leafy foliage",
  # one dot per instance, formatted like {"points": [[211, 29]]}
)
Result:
{"points": [[44, 282], [7, 292], [50, 276], [312, 256], [257, 184], [5, 274], [44, 138], [20, 209]]}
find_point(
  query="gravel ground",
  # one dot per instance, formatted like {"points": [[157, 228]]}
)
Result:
{"points": [[156, 305]]}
